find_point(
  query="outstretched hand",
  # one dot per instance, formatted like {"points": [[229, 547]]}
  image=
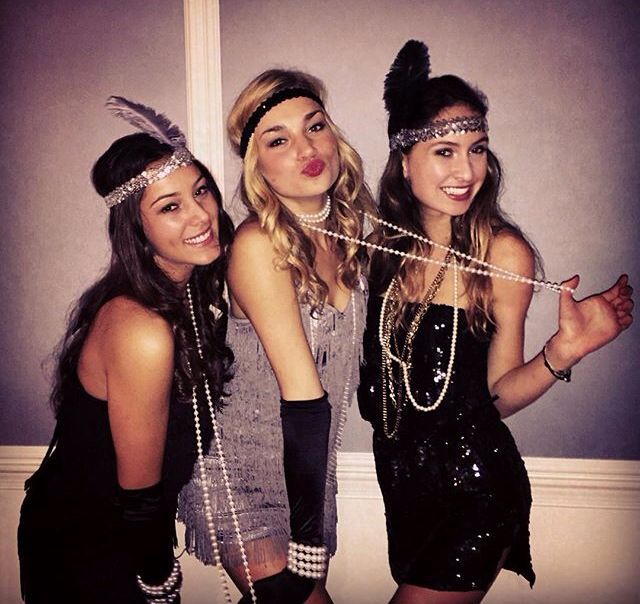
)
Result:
{"points": [[589, 324]]}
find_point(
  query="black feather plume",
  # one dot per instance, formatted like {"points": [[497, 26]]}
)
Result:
{"points": [[407, 76], [147, 120]]}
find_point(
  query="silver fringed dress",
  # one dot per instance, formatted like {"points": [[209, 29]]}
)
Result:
{"points": [[251, 438]]}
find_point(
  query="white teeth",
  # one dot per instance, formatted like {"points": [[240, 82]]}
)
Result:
{"points": [[455, 190], [199, 238]]}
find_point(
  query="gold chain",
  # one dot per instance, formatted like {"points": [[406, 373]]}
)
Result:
{"points": [[391, 307]]}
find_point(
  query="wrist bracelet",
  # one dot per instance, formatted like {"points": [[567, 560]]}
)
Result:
{"points": [[308, 561], [166, 592], [559, 374]]}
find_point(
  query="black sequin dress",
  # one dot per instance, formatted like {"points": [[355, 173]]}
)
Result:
{"points": [[71, 543], [455, 488]]}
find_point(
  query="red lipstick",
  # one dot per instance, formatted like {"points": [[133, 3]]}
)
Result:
{"points": [[313, 168]]}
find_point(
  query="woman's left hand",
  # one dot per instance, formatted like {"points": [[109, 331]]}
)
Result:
{"points": [[589, 324]]}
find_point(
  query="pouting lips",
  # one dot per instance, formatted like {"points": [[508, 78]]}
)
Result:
{"points": [[313, 168]]}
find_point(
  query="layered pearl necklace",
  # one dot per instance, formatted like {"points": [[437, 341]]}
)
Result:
{"points": [[208, 510], [316, 217], [385, 334]]}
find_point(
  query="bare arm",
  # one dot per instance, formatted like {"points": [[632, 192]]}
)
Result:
{"points": [[137, 350], [268, 298], [583, 327]]}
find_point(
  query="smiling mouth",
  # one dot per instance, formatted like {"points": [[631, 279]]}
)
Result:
{"points": [[458, 193], [200, 239], [313, 168]]}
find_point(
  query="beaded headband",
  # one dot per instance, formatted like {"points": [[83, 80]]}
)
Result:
{"points": [[437, 129], [179, 158], [157, 126], [269, 103]]}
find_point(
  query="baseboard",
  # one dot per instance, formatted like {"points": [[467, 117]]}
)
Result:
{"points": [[584, 541], [555, 482]]}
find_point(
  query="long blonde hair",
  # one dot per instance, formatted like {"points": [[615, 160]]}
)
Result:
{"points": [[350, 194]]}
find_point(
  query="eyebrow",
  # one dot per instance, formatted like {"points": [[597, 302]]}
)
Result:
{"points": [[175, 193], [280, 127], [442, 141]]}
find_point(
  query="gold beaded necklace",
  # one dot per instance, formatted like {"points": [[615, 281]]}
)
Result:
{"points": [[391, 307]]}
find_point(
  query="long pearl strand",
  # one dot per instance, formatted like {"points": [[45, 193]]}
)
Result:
{"points": [[332, 463], [406, 367], [208, 510], [493, 270]]}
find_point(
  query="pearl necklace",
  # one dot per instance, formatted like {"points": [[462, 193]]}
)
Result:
{"points": [[316, 217], [490, 270], [208, 510], [332, 463], [404, 361]]}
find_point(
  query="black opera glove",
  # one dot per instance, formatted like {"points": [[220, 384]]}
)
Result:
{"points": [[305, 433], [284, 587], [148, 529]]}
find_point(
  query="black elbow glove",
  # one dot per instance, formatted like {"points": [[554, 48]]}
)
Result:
{"points": [[305, 432], [149, 530]]}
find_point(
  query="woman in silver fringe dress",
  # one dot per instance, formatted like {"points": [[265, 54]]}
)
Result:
{"points": [[297, 317], [443, 348]]}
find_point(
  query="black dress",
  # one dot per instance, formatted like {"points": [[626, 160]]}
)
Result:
{"points": [[70, 537], [455, 488]]}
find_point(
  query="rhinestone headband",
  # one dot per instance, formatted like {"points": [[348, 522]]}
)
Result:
{"points": [[269, 103], [181, 157], [436, 129]]}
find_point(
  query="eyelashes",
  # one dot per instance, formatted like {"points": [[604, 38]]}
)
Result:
{"points": [[315, 128], [449, 151]]}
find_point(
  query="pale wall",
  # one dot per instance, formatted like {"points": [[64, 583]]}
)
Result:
{"points": [[560, 76], [60, 61]]}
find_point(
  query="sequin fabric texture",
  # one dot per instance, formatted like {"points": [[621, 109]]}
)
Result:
{"points": [[455, 488], [252, 440]]}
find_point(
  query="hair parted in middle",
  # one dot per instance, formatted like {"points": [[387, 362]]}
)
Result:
{"points": [[349, 193], [413, 100]]}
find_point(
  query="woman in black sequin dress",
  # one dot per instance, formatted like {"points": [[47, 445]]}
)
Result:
{"points": [[443, 349]]}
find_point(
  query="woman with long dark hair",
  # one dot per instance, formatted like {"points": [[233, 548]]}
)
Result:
{"points": [[443, 349], [142, 353]]}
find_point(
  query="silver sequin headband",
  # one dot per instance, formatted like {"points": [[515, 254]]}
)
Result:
{"points": [[181, 157], [437, 129], [159, 127]]}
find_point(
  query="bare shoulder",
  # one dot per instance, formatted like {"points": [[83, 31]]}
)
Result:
{"points": [[251, 241], [125, 325], [253, 255], [510, 251]]}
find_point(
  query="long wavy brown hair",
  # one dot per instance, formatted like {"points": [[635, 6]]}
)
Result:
{"points": [[472, 232], [133, 272], [350, 194]]}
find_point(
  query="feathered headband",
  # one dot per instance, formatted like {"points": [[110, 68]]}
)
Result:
{"points": [[159, 127], [404, 86]]}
